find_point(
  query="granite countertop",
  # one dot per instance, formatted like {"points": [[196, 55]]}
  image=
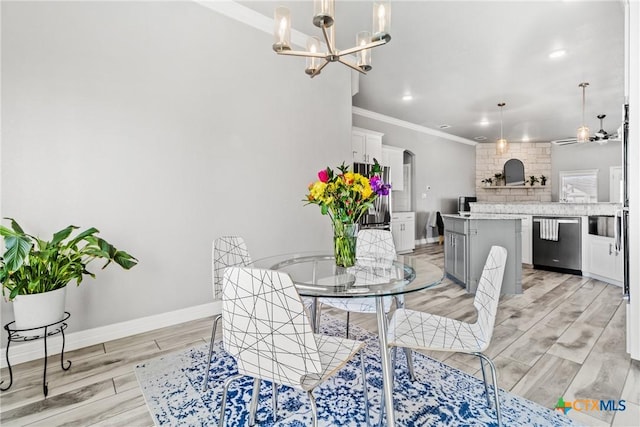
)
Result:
{"points": [[546, 208], [482, 216]]}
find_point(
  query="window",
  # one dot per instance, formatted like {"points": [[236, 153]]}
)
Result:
{"points": [[579, 186]]}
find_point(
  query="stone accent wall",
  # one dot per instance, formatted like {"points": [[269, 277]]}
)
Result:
{"points": [[536, 157]]}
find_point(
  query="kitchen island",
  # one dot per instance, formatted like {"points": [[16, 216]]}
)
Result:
{"points": [[467, 241], [599, 250]]}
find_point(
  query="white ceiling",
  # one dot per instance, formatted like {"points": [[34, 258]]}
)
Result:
{"points": [[459, 59]]}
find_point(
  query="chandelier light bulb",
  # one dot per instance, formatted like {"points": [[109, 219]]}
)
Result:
{"points": [[364, 56], [381, 20], [282, 30]]}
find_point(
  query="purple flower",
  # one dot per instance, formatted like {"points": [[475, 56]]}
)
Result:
{"points": [[379, 187]]}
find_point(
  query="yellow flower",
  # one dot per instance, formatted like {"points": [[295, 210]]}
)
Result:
{"points": [[349, 177], [317, 190], [366, 192]]}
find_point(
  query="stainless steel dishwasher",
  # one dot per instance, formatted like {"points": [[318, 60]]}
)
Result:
{"points": [[563, 254]]}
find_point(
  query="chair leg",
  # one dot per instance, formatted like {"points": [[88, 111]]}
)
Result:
{"points": [[314, 409], [348, 313], [255, 397], [274, 399], [409, 354], [317, 315], [364, 387], [494, 378], [484, 379], [223, 403], [213, 337]]}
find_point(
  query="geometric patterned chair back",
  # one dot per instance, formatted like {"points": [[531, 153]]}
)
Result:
{"points": [[227, 251], [488, 291], [375, 248], [265, 326]]}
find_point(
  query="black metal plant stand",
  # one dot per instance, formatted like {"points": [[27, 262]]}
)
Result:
{"points": [[20, 335]]}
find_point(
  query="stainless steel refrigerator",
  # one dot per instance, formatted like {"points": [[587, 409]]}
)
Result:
{"points": [[379, 216]]}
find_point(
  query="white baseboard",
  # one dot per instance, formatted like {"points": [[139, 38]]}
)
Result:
{"points": [[603, 279], [33, 350]]}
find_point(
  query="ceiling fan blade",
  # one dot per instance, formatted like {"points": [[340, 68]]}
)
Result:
{"points": [[602, 134]]}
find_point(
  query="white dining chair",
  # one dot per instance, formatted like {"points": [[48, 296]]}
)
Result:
{"points": [[424, 331], [267, 330], [226, 251], [374, 248]]}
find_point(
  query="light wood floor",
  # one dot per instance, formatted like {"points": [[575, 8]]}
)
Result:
{"points": [[564, 336]]}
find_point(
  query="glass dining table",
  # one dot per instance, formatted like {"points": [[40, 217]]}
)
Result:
{"points": [[316, 275]]}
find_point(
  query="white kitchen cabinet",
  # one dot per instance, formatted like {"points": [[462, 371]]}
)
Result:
{"points": [[394, 158], [603, 262], [455, 255], [366, 145], [403, 226]]}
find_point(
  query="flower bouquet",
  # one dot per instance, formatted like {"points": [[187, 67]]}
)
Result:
{"points": [[345, 197]]}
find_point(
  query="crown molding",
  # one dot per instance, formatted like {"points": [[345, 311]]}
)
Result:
{"points": [[412, 126], [250, 17]]}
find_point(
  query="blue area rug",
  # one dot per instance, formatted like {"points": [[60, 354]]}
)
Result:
{"points": [[441, 396]]}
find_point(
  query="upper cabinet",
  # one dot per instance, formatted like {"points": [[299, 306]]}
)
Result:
{"points": [[366, 145], [394, 158]]}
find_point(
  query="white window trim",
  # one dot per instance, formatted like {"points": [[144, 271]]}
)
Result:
{"points": [[581, 172]]}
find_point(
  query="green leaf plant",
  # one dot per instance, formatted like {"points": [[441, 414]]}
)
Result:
{"points": [[31, 265]]}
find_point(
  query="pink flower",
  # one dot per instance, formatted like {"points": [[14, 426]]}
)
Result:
{"points": [[323, 176]]}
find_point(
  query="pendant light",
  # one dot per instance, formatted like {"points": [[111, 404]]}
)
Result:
{"points": [[502, 146], [583, 131]]}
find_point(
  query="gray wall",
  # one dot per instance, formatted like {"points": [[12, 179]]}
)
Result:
{"points": [[434, 158], [164, 125], [585, 156]]}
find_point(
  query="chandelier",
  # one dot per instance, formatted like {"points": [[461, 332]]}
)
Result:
{"points": [[502, 146], [323, 18], [583, 131]]}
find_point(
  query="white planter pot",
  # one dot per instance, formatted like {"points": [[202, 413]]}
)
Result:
{"points": [[32, 311]]}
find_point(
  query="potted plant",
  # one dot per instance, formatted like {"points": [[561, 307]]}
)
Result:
{"points": [[532, 180], [487, 182], [498, 178], [37, 271], [543, 180]]}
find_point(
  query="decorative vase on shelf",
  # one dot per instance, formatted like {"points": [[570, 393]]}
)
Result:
{"points": [[344, 243]]}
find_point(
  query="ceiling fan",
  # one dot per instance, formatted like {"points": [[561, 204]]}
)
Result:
{"points": [[601, 136]]}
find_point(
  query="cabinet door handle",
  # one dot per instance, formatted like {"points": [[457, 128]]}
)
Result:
{"points": [[609, 248]]}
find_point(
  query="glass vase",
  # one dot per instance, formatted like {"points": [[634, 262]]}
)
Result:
{"points": [[344, 243]]}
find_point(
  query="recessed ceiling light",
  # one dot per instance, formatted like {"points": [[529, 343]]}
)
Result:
{"points": [[407, 97], [557, 53], [444, 126], [484, 122], [480, 138]]}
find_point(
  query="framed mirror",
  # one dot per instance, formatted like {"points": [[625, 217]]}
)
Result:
{"points": [[514, 172]]}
